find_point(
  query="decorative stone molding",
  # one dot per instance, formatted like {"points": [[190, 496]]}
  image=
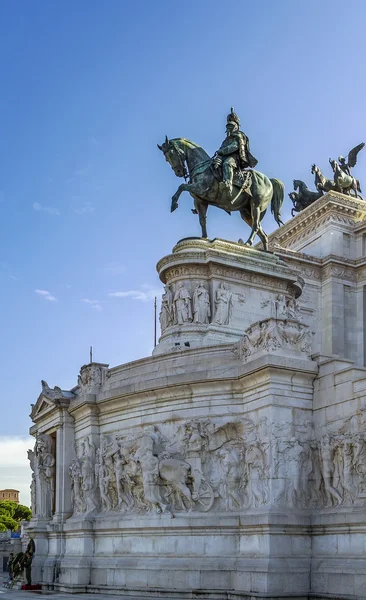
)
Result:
{"points": [[91, 377], [273, 335], [331, 208]]}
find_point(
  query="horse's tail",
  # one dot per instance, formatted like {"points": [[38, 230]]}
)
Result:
{"points": [[277, 199]]}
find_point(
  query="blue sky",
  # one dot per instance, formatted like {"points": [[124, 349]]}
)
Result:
{"points": [[88, 89]]}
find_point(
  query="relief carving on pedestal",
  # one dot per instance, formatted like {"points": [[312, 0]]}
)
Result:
{"points": [[223, 305], [284, 330], [198, 465], [90, 377], [201, 305], [182, 305], [166, 316]]}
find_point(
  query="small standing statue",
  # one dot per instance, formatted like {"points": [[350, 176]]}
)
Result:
{"points": [[166, 314], [223, 305], [233, 153], [182, 305], [201, 305]]}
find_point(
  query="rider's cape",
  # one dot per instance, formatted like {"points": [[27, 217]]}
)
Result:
{"points": [[245, 156]]}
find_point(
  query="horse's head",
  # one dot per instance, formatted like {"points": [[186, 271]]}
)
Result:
{"points": [[294, 197], [297, 184], [314, 169], [334, 165], [174, 156]]}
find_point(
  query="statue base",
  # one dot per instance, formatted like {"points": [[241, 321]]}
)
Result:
{"points": [[240, 285], [238, 463]]}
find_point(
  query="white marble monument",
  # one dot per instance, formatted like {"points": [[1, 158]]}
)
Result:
{"points": [[231, 463]]}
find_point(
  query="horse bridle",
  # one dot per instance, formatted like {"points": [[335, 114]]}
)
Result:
{"points": [[187, 174]]}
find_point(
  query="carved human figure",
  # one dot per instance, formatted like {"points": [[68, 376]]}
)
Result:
{"points": [[76, 490], [108, 451], [293, 309], [223, 303], [45, 471], [331, 494], [194, 443], [150, 467], [182, 304], [230, 461], [88, 484], [295, 459], [124, 499], [167, 312], [255, 461], [359, 462], [348, 483], [33, 466], [315, 476], [201, 305], [102, 480]]}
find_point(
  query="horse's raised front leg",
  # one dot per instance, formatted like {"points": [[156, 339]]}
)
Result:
{"points": [[184, 187]]}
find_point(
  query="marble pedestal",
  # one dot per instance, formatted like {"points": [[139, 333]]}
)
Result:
{"points": [[230, 464]]}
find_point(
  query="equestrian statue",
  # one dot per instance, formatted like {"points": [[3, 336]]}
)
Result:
{"points": [[343, 180], [227, 180]]}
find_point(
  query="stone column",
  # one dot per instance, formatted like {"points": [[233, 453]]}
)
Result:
{"points": [[64, 454]]}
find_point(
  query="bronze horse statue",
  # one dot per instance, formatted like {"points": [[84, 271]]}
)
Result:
{"points": [[302, 198], [346, 183], [251, 196]]}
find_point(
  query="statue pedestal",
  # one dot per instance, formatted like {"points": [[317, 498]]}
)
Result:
{"points": [[231, 464], [216, 289]]}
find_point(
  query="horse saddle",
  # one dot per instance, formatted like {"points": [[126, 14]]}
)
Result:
{"points": [[242, 177]]}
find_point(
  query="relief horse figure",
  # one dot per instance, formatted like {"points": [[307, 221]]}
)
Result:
{"points": [[251, 198]]}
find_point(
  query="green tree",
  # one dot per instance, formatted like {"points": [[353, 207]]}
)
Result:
{"points": [[11, 514], [22, 513]]}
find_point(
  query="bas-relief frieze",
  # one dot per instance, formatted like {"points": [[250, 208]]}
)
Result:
{"points": [[193, 466], [201, 465]]}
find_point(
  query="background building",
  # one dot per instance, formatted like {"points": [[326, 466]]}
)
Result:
{"points": [[10, 495]]}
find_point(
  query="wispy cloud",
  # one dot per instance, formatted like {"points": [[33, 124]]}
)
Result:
{"points": [[46, 295], [85, 209], [96, 304], [13, 278], [115, 268], [146, 294], [51, 210]]}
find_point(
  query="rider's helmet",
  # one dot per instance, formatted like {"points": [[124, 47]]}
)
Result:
{"points": [[232, 119], [341, 159]]}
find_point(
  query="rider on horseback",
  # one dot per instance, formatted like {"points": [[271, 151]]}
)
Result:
{"points": [[233, 153]]}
